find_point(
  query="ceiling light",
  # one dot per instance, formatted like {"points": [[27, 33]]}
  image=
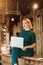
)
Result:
{"points": [[12, 19], [35, 6]]}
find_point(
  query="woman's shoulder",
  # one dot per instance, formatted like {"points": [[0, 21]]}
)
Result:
{"points": [[22, 31], [32, 32]]}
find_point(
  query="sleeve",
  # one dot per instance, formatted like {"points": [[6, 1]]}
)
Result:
{"points": [[33, 37], [21, 34]]}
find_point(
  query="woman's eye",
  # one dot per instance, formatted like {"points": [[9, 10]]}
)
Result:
{"points": [[25, 23]]}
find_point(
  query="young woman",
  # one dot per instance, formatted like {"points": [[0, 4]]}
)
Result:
{"points": [[29, 42]]}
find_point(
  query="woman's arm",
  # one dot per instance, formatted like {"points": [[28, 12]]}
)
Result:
{"points": [[31, 46]]}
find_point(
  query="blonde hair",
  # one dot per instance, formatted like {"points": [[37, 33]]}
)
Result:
{"points": [[28, 20]]}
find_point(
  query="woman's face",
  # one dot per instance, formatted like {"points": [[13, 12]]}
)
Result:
{"points": [[25, 24]]}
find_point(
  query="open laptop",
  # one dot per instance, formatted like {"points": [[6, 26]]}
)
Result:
{"points": [[16, 42]]}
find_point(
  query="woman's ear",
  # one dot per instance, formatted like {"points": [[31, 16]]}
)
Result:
{"points": [[29, 24]]}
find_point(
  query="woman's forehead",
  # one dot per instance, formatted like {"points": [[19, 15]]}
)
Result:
{"points": [[25, 21]]}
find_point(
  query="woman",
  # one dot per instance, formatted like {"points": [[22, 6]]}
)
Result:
{"points": [[29, 42]]}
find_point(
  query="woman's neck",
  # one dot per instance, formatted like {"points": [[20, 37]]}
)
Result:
{"points": [[27, 29]]}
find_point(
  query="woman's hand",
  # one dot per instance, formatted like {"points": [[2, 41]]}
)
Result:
{"points": [[24, 48], [27, 47]]}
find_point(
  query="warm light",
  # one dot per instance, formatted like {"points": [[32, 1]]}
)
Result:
{"points": [[35, 6], [4, 33], [3, 29], [4, 49], [12, 19]]}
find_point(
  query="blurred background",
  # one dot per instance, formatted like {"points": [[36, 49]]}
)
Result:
{"points": [[11, 14]]}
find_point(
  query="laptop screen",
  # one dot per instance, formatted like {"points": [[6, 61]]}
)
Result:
{"points": [[17, 42]]}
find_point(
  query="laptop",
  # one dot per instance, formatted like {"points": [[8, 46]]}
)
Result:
{"points": [[16, 42]]}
